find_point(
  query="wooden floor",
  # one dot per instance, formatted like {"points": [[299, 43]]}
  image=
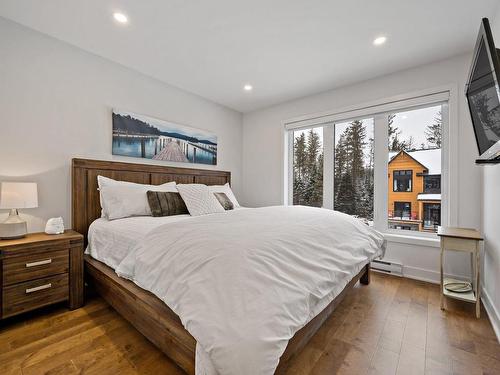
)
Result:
{"points": [[392, 326]]}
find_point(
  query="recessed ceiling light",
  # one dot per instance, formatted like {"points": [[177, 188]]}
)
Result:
{"points": [[380, 40], [248, 87], [120, 17]]}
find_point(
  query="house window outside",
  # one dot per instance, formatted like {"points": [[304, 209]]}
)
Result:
{"points": [[402, 210], [432, 184], [402, 180], [432, 215]]}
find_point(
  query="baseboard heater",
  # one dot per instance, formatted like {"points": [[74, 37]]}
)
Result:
{"points": [[387, 267]]}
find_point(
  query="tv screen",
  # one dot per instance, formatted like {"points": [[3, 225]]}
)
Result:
{"points": [[483, 92]]}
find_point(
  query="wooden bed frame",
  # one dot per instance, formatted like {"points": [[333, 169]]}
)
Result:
{"points": [[146, 312]]}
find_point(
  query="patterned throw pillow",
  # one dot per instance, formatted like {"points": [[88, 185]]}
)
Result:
{"points": [[199, 199], [164, 203], [224, 201]]}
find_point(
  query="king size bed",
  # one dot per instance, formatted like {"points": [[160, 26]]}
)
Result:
{"points": [[236, 292]]}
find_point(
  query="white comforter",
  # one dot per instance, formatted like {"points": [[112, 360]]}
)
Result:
{"points": [[243, 282]]}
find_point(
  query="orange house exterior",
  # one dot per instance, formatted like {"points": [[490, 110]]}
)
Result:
{"points": [[415, 190]]}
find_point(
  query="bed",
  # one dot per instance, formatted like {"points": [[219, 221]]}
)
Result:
{"points": [[146, 312]]}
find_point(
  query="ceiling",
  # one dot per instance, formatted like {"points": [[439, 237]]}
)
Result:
{"points": [[285, 48]]}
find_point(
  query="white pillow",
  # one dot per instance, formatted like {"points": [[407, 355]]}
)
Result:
{"points": [[199, 199], [121, 199], [226, 189]]}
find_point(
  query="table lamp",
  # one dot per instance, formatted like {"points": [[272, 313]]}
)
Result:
{"points": [[15, 195]]}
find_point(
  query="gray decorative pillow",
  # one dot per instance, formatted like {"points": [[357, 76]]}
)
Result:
{"points": [[163, 203], [224, 201]]}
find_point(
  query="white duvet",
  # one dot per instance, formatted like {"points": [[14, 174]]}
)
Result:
{"points": [[243, 282]]}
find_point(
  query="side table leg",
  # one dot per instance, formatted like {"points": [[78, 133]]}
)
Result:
{"points": [[442, 277], [477, 282]]}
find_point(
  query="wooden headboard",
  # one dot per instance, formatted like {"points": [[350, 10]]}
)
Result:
{"points": [[85, 196]]}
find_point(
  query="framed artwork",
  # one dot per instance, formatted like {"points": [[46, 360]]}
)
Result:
{"points": [[141, 136]]}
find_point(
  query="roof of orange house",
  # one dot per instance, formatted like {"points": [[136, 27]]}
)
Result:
{"points": [[429, 158]]}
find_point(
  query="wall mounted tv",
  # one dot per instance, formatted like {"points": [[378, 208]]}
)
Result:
{"points": [[483, 95]]}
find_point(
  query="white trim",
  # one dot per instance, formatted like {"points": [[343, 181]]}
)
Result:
{"points": [[426, 275], [412, 239], [369, 109], [492, 312], [380, 185], [288, 168], [449, 167], [328, 166]]}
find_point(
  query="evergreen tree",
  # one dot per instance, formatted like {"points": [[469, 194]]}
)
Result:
{"points": [[340, 168], [299, 167], [353, 172], [369, 182], [433, 132], [395, 144], [313, 148], [409, 144], [356, 142], [308, 169], [350, 187]]}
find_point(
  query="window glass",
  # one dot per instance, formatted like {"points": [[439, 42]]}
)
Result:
{"points": [[432, 184], [353, 169], [402, 180], [432, 216], [414, 169], [402, 210], [308, 167]]}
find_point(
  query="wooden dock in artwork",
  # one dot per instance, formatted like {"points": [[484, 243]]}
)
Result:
{"points": [[171, 152]]}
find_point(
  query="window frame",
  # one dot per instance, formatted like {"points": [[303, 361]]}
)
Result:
{"points": [[378, 110], [403, 203], [432, 191], [426, 204], [394, 180]]}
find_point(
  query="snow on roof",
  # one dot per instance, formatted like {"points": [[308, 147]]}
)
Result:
{"points": [[429, 197], [430, 159]]}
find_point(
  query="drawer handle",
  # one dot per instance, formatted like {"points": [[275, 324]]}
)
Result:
{"points": [[39, 263], [37, 288]]}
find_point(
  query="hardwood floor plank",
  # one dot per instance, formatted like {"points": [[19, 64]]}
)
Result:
{"points": [[392, 326]]}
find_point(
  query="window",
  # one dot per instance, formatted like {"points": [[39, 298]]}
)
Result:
{"points": [[353, 169], [308, 167], [414, 138], [402, 180], [380, 163], [432, 184], [432, 216], [402, 210]]}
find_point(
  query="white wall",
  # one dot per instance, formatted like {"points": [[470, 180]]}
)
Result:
{"points": [[263, 152], [55, 104], [491, 223]]}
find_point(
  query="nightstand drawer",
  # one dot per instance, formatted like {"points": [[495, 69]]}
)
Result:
{"points": [[32, 294], [34, 266]]}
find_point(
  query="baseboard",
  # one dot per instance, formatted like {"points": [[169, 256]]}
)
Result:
{"points": [[492, 312], [429, 276]]}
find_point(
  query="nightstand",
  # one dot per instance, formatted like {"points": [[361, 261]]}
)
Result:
{"points": [[462, 239], [39, 270]]}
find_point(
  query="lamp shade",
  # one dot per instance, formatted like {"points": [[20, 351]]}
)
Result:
{"points": [[18, 195]]}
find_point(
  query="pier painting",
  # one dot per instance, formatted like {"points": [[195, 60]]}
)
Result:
{"points": [[146, 137]]}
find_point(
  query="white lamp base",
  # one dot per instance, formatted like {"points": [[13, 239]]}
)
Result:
{"points": [[13, 227]]}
